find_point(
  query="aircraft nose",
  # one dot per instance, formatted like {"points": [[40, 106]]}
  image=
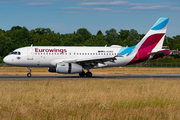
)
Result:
{"points": [[6, 60]]}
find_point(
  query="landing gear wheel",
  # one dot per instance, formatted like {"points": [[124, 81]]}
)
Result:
{"points": [[29, 75], [82, 74], [88, 74]]}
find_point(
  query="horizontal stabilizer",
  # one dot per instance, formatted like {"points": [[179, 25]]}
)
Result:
{"points": [[161, 52]]}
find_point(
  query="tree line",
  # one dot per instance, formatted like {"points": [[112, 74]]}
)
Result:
{"points": [[20, 36]]}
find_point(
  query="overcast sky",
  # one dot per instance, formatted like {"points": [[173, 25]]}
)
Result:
{"points": [[66, 16]]}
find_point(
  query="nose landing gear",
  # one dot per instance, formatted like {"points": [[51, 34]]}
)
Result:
{"points": [[29, 74]]}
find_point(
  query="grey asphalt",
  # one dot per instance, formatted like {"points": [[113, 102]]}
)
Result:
{"points": [[96, 77]]}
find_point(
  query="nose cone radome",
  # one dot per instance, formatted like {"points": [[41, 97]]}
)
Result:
{"points": [[6, 60]]}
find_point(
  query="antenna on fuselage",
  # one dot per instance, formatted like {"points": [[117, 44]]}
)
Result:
{"points": [[31, 45]]}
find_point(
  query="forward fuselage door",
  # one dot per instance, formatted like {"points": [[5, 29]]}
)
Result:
{"points": [[30, 53]]}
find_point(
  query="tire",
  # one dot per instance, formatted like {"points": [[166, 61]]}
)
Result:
{"points": [[82, 74], [88, 74], [29, 75]]}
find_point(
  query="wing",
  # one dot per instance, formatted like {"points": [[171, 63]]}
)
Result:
{"points": [[93, 59], [91, 62]]}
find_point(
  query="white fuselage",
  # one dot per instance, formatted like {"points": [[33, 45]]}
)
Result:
{"points": [[46, 56]]}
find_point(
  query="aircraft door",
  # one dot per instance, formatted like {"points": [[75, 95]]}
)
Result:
{"points": [[29, 54]]}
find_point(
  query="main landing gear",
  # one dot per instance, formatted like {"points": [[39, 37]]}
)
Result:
{"points": [[87, 74], [29, 74]]}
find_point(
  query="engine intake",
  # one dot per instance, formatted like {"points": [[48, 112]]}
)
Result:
{"points": [[68, 68]]}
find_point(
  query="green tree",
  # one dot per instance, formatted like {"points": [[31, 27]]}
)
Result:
{"points": [[99, 33], [111, 36], [123, 34], [177, 42], [20, 37], [16, 28], [84, 33], [133, 37]]}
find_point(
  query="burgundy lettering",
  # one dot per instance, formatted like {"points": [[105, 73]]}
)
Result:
{"points": [[50, 50], [36, 49]]}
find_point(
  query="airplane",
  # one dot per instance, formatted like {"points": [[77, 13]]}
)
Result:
{"points": [[70, 60]]}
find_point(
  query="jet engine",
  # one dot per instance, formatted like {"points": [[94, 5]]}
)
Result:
{"points": [[66, 68]]}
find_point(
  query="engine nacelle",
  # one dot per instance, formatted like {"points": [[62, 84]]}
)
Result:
{"points": [[68, 68]]}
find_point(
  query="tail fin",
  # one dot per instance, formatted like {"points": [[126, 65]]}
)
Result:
{"points": [[155, 36], [151, 42]]}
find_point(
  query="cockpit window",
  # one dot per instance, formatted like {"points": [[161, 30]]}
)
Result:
{"points": [[16, 53]]}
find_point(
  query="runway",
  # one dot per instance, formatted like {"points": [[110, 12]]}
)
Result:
{"points": [[95, 77]]}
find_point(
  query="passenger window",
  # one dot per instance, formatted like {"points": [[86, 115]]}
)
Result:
{"points": [[82, 53], [46, 53]]}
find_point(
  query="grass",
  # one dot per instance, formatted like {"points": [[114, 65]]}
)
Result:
{"points": [[114, 70], [130, 99]]}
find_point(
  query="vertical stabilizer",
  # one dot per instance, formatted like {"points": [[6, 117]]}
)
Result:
{"points": [[151, 42], [155, 36]]}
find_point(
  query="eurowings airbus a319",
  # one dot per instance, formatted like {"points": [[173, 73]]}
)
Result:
{"points": [[62, 59]]}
